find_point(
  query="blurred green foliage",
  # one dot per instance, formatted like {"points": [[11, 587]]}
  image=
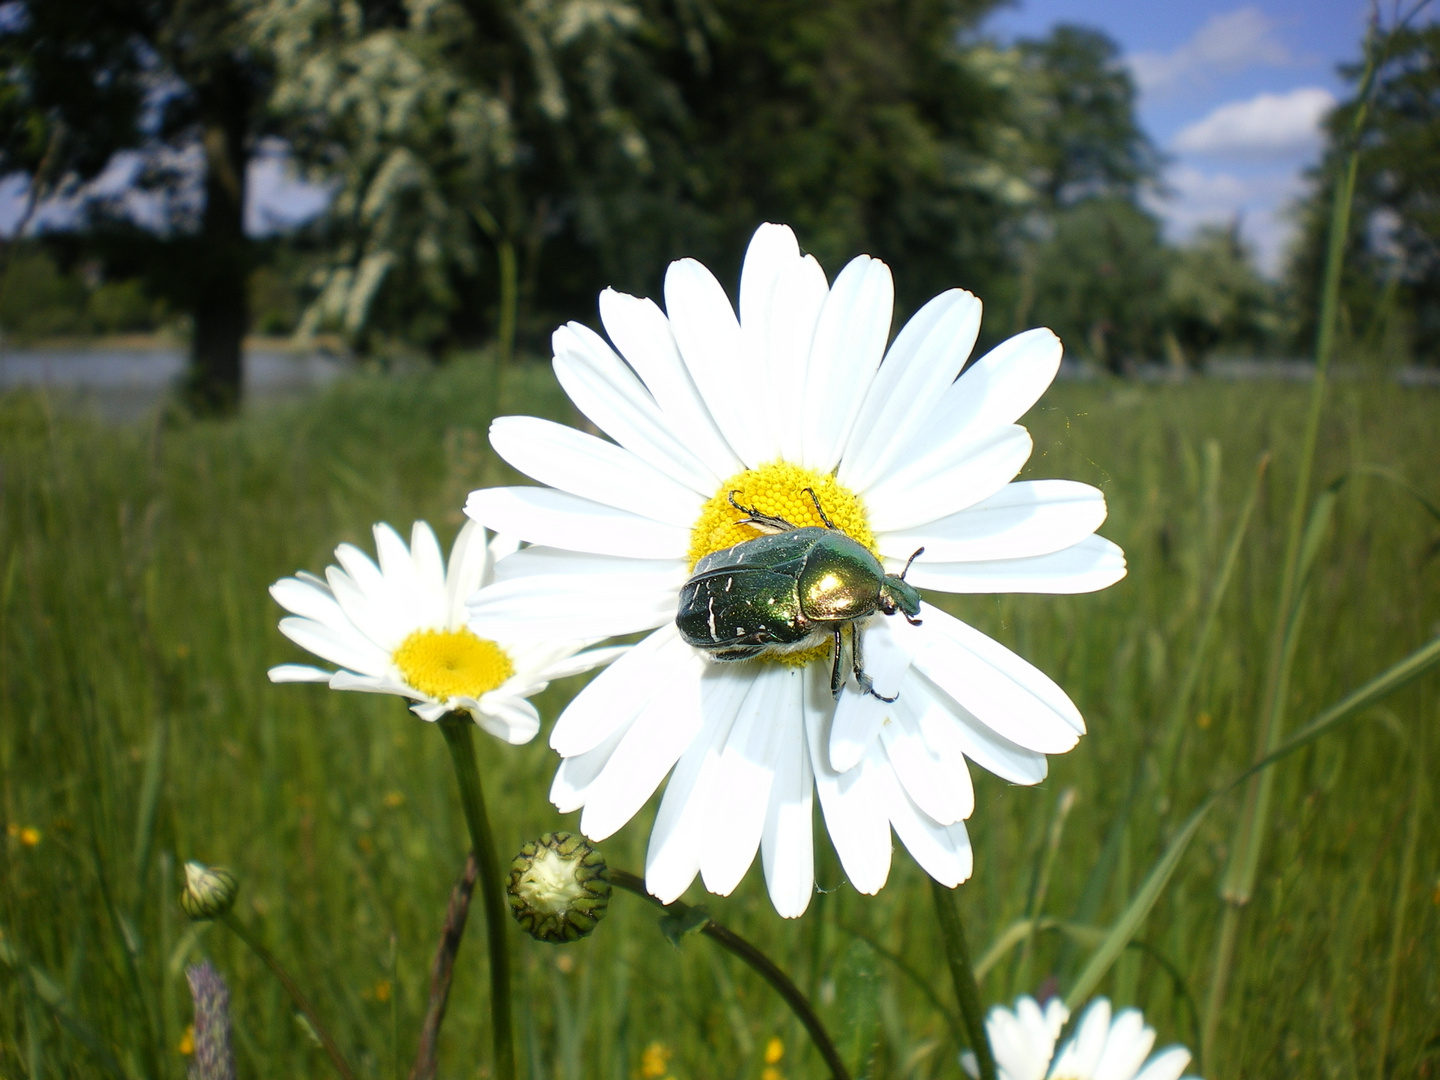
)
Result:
{"points": [[137, 730]]}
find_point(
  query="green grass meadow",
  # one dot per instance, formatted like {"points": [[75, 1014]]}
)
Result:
{"points": [[138, 730]]}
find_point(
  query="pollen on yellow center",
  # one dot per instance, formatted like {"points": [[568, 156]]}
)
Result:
{"points": [[452, 663], [777, 489]]}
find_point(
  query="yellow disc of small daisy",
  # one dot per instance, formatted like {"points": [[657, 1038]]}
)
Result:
{"points": [[778, 490], [452, 663]]}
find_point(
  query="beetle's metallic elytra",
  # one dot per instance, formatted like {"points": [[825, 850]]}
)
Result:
{"points": [[790, 590]]}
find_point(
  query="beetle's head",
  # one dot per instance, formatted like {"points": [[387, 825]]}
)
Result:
{"points": [[896, 594]]}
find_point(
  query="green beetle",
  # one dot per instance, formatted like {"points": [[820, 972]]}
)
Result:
{"points": [[790, 590]]}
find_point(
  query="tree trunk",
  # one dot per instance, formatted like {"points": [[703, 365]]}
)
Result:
{"points": [[222, 263]]}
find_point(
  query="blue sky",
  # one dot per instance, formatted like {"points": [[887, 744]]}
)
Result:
{"points": [[1231, 92]]}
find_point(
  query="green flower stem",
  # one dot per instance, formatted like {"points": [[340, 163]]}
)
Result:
{"points": [[962, 973], [459, 736], [267, 958], [758, 962]]}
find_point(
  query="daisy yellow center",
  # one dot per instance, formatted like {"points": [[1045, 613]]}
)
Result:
{"points": [[778, 489], [446, 664]]}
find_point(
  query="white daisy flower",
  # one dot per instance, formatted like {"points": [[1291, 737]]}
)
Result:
{"points": [[799, 392], [399, 628], [1102, 1048]]}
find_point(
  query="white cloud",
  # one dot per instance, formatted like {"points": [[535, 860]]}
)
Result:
{"points": [[1265, 126], [1257, 201], [1229, 42]]}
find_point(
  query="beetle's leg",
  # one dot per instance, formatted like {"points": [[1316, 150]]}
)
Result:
{"points": [[837, 678], [764, 521], [867, 684], [818, 508]]}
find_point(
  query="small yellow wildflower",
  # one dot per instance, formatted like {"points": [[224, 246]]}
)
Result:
{"points": [[774, 1051], [186, 1045], [28, 835], [383, 990], [655, 1061]]}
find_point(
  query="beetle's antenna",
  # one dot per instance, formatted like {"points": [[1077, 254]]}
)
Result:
{"points": [[818, 508], [918, 552]]}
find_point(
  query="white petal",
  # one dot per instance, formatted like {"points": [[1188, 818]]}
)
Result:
{"points": [[1092, 564], [641, 332], [1126, 1048], [1039, 1026], [1003, 691], [854, 814], [286, 673], [941, 792], [1017, 1054], [407, 592], [510, 719], [1169, 1064], [592, 468], [1055, 1016], [1024, 518], [708, 334], [614, 696], [374, 684], [575, 774], [858, 715], [765, 336], [787, 846], [943, 851], [608, 392], [581, 662], [673, 858], [311, 599], [558, 519], [429, 562], [949, 730], [371, 607], [429, 711], [1002, 385], [1079, 1056], [740, 795], [947, 479], [654, 742], [849, 343], [346, 650], [799, 297], [924, 360], [546, 593], [470, 568]]}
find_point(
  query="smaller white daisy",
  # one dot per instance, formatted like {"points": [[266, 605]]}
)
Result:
{"points": [[1102, 1048], [399, 628]]}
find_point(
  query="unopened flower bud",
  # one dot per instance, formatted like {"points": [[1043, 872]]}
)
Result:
{"points": [[559, 888], [209, 891]]}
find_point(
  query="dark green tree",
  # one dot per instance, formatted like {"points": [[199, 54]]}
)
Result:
{"points": [[88, 78], [875, 127], [1084, 137], [1100, 282], [1216, 297], [1392, 263]]}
